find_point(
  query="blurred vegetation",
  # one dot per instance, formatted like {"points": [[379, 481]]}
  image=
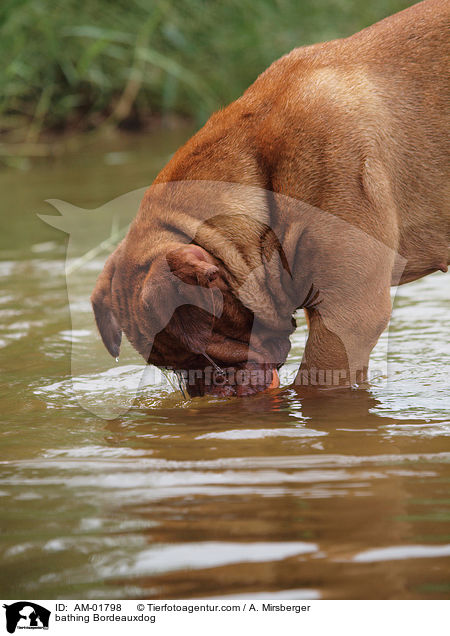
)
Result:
{"points": [[77, 63]]}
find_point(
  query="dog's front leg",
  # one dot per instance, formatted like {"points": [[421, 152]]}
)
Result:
{"points": [[341, 339]]}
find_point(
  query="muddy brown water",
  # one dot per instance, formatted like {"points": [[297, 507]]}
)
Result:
{"points": [[272, 496]]}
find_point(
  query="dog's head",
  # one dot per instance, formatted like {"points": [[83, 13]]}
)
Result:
{"points": [[179, 306]]}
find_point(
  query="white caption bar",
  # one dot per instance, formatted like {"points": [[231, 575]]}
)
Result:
{"points": [[349, 618]]}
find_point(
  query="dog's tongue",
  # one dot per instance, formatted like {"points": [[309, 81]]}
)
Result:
{"points": [[275, 380]]}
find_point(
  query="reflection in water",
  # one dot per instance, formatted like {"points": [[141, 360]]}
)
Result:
{"points": [[275, 496]]}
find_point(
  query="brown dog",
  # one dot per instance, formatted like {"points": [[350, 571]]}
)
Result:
{"points": [[323, 185]]}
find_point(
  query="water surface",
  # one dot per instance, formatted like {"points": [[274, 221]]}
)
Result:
{"points": [[270, 496]]}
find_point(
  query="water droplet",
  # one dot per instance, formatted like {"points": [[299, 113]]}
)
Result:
{"points": [[117, 359]]}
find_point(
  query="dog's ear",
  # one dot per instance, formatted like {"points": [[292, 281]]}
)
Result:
{"points": [[196, 272], [101, 300], [193, 265]]}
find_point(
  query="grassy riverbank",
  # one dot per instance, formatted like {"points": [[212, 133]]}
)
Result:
{"points": [[78, 63]]}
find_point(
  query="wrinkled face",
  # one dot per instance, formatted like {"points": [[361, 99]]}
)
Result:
{"points": [[181, 313]]}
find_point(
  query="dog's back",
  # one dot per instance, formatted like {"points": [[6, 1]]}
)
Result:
{"points": [[362, 123]]}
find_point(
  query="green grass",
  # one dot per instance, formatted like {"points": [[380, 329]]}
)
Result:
{"points": [[74, 63]]}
